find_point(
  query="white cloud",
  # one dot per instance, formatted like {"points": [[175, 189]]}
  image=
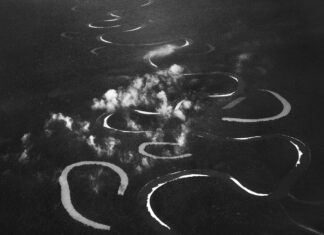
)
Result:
{"points": [[84, 126], [109, 101], [181, 107], [107, 148], [182, 139], [159, 53], [25, 139], [176, 69], [164, 108], [76, 126], [59, 117], [148, 90], [24, 157]]}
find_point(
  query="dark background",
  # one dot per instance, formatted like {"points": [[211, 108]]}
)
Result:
{"points": [[41, 72]]}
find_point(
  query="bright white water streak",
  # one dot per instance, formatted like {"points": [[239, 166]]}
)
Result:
{"points": [[149, 195], [286, 108], [247, 138], [114, 15], [91, 25], [149, 60], [156, 186], [102, 39], [187, 43], [111, 20], [106, 125], [141, 150], [249, 191], [146, 112], [226, 94], [66, 194], [222, 95], [134, 29], [217, 95], [299, 152]]}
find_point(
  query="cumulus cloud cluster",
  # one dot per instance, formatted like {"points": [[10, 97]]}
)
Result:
{"points": [[181, 108], [59, 117], [107, 148], [150, 90], [63, 140], [104, 147], [66, 121], [147, 92]]}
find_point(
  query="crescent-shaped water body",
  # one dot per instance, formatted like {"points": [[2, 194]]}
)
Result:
{"points": [[298, 145], [134, 29], [302, 162], [149, 189], [149, 60], [112, 14], [146, 112], [114, 17], [106, 125], [286, 108], [141, 150], [66, 194], [163, 51], [102, 39], [112, 20], [282, 190], [93, 26], [218, 95]]}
